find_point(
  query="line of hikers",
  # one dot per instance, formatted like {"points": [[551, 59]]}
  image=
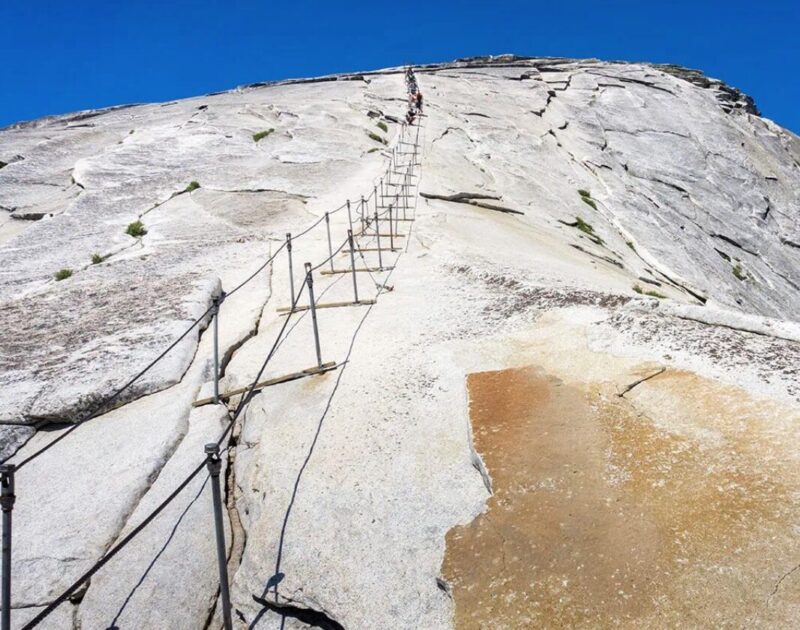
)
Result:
{"points": [[414, 96]]}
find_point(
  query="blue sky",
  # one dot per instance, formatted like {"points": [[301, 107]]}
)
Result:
{"points": [[59, 56]]}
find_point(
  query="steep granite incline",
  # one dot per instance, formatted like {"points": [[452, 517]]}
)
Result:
{"points": [[574, 401]]}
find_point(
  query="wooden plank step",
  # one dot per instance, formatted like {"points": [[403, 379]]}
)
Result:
{"points": [[330, 272], [381, 235], [372, 249], [387, 220], [285, 310], [326, 367]]}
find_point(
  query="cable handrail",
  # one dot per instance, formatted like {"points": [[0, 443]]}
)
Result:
{"points": [[104, 405], [64, 596], [240, 407]]}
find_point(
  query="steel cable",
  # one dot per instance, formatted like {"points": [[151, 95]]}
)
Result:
{"points": [[104, 403], [239, 409], [152, 515], [113, 552], [246, 399]]}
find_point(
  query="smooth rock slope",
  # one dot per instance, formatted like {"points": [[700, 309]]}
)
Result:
{"points": [[600, 282]]}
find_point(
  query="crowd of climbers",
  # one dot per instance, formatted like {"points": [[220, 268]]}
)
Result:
{"points": [[414, 96]]}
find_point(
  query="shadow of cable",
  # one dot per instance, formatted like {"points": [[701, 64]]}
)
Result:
{"points": [[113, 624], [278, 576]]}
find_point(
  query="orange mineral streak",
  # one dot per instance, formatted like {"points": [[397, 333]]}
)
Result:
{"points": [[602, 516]]}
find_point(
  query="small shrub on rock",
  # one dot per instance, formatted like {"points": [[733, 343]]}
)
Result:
{"points": [[587, 229], [586, 197], [262, 134], [376, 138], [136, 229], [192, 186], [63, 274]]}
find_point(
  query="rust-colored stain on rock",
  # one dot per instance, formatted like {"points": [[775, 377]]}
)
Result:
{"points": [[602, 515]]}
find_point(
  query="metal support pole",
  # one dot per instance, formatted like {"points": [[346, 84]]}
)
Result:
{"points": [[215, 315], [376, 198], [214, 464], [378, 236], [391, 227], [7, 501], [353, 263], [349, 215], [291, 273], [330, 245], [310, 282], [397, 214], [405, 199]]}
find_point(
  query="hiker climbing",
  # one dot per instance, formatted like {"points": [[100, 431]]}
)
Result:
{"points": [[414, 96]]}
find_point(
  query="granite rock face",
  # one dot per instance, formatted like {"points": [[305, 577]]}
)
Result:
{"points": [[598, 222]]}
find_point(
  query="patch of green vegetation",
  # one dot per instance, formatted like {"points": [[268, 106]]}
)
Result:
{"points": [[583, 226], [130, 132], [192, 186], [739, 272], [136, 229], [63, 274], [588, 230], [654, 294], [723, 255], [373, 149], [631, 245], [382, 126], [262, 134], [586, 197], [376, 137], [97, 258]]}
